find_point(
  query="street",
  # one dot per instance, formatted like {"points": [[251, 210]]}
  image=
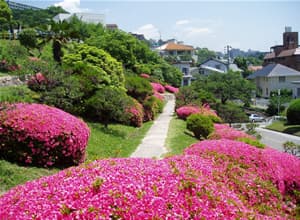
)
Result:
{"points": [[276, 139]]}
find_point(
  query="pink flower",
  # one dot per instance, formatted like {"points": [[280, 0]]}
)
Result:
{"points": [[157, 87], [171, 89], [42, 133], [145, 75]]}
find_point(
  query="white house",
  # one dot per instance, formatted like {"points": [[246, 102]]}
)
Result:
{"points": [[182, 55], [276, 76], [214, 65], [85, 17]]}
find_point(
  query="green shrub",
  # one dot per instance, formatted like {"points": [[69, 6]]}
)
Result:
{"points": [[28, 38], [108, 105], [138, 87], [200, 125], [215, 119], [251, 142], [12, 94], [152, 107], [293, 112]]}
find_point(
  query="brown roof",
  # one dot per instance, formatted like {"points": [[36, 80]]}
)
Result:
{"points": [[254, 68], [173, 46], [287, 53], [269, 55]]}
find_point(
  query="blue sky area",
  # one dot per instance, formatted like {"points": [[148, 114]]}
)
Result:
{"points": [[257, 25]]}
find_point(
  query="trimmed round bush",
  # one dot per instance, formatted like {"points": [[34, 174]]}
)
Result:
{"points": [[200, 125], [136, 113], [152, 107], [293, 112], [185, 111], [171, 89], [157, 87], [41, 135]]}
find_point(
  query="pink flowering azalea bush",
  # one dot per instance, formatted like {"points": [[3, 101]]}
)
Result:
{"points": [[157, 87], [223, 131], [37, 82], [202, 184], [282, 169], [159, 96], [185, 111], [145, 75], [136, 113], [171, 89], [41, 135]]}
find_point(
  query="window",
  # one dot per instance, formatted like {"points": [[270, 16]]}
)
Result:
{"points": [[218, 66], [267, 92], [185, 71], [281, 79]]}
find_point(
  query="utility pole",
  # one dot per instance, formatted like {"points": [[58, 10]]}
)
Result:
{"points": [[227, 49]]}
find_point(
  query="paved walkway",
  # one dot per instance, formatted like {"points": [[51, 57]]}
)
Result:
{"points": [[153, 144]]}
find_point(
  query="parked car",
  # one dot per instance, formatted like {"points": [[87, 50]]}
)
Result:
{"points": [[256, 118]]}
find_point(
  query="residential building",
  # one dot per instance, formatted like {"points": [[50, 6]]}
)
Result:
{"points": [[276, 76], [20, 6], [85, 17], [181, 57], [219, 66], [287, 54]]}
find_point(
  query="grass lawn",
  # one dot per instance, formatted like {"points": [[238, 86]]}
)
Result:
{"points": [[116, 141], [281, 126], [16, 94], [178, 137], [11, 174]]}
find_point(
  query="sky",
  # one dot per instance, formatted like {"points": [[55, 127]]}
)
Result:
{"points": [[255, 25]]}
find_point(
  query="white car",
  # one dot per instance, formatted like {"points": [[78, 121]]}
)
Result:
{"points": [[256, 118]]}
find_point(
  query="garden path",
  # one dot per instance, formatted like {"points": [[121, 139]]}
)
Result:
{"points": [[153, 144]]}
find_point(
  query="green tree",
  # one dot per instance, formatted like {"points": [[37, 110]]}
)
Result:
{"points": [[278, 101], [204, 54], [5, 15], [96, 66], [28, 38], [231, 113], [227, 86]]}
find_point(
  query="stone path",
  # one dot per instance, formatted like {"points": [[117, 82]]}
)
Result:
{"points": [[153, 144]]}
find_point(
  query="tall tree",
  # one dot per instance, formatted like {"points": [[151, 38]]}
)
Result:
{"points": [[226, 86], [5, 15], [204, 54]]}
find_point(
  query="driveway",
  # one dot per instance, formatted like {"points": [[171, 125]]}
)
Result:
{"points": [[276, 139]]}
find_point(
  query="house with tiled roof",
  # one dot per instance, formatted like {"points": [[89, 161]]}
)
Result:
{"points": [[276, 76], [287, 54], [180, 56], [213, 65]]}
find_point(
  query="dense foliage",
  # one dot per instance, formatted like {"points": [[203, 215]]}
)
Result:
{"points": [[96, 65], [138, 87], [107, 105], [293, 112], [35, 134], [201, 125], [226, 87], [5, 15], [213, 179]]}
